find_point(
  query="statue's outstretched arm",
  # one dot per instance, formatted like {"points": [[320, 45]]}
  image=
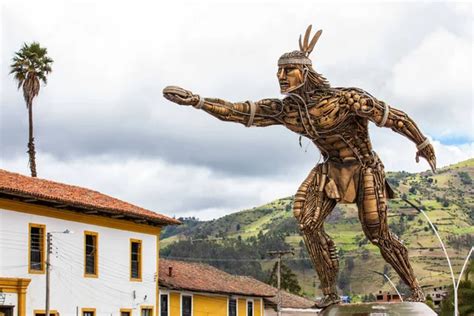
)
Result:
{"points": [[384, 115], [261, 113]]}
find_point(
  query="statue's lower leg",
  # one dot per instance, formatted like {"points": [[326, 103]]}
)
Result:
{"points": [[373, 216], [396, 254], [324, 257]]}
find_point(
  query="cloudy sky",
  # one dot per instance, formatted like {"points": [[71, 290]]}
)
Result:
{"points": [[101, 122]]}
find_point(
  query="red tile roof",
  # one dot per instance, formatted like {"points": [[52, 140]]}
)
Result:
{"points": [[289, 300], [200, 277], [50, 191]]}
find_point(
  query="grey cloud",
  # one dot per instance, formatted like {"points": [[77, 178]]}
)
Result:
{"points": [[104, 96]]}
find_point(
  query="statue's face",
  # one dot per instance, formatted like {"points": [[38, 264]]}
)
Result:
{"points": [[290, 78]]}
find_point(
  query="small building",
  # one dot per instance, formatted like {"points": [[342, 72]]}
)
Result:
{"points": [[387, 297], [196, 289], [103, 251], [437, 293], [291, 305]]}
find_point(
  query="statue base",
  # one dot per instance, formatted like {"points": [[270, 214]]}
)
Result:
{"points": [[379, 309]]}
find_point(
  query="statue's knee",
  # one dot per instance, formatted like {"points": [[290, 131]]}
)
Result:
{"points": [[373, 234], [310, 227]]}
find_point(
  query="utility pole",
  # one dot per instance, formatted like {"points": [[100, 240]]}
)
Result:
{"points": [[48, 252], [279, 253]]}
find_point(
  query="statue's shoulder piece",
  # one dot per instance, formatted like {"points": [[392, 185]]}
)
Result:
{"points": [[355, 99]]}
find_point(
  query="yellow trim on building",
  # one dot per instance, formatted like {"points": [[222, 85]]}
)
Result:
{"points": [[142, 307], [126, 310], [42, 248], [88, 310], [140, 251], [42, 311], [96, 254], [18, 286], [68, 215]]}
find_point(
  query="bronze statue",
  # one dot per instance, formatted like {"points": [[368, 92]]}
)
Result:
{"points": [[336, 121]]}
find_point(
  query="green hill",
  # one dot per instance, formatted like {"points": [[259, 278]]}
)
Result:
{"points": [[446, 197]]}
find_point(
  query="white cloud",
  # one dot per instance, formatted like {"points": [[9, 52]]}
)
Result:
{"points": [[102, 123], [438, 72]]}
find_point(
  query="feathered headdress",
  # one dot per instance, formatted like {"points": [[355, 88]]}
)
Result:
{"points": [[301, 57]]}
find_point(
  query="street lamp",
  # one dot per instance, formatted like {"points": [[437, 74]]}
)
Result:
{"points": [[48, 266], [455, 284]]}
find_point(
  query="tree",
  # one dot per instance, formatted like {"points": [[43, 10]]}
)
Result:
{"points": [[288, 280], [30, 66], [429, 302], [350, 263], [365, 254], [344, 281]]}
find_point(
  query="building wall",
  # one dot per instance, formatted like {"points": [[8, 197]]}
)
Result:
{"points": [[175, 304], [110, 291], [211, 304], [257, 307], [242, 307]]}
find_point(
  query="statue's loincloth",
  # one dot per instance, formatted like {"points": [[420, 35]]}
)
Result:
{"points": [[345, 181]]}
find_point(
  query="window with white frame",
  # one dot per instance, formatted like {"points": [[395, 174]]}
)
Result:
{"points": [[164, 305], [186, 305], [249, 308], [232, 307]]}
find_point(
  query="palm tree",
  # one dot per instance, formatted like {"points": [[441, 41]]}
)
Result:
{"points": [[30, 66]]}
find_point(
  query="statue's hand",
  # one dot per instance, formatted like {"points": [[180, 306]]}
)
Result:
{"points": [[180, 96], [429, 154]]}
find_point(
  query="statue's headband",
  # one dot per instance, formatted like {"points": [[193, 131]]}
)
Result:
{"points": [[301, 57]]}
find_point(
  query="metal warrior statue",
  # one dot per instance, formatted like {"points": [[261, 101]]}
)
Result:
{"points": [[336, 120]]}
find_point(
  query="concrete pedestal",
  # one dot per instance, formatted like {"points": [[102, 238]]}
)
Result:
{"points": [[379, 309]]}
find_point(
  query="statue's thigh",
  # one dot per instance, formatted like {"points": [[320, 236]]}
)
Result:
{"points": [[312, 205], [372, 203]]}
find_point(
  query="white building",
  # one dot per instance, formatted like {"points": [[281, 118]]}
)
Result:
{"points": [[107, 266]]}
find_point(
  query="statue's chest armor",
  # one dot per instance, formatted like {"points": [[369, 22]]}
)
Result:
{"points": [[323, 118]]}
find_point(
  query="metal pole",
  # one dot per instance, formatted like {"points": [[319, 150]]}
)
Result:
{"points": [[278, 285], [279, 253], [48, 251], [455, 288], [464, 266]]}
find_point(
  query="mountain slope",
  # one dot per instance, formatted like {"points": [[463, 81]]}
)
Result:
{"points": [[446, 197]]}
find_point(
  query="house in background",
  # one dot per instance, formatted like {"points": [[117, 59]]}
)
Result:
{"points": [[291, 305], [387, 297], [107, 266], [196, 289], [437, 293]]}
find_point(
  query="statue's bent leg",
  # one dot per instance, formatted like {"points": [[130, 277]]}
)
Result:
{"points": [[372, 205], [311, 208]]}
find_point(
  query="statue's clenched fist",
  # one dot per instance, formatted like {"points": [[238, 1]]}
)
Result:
{"points": [[180, 96]]}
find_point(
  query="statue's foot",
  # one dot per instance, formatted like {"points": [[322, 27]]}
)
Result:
{"points": [[328, 300], [416, 296]]}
